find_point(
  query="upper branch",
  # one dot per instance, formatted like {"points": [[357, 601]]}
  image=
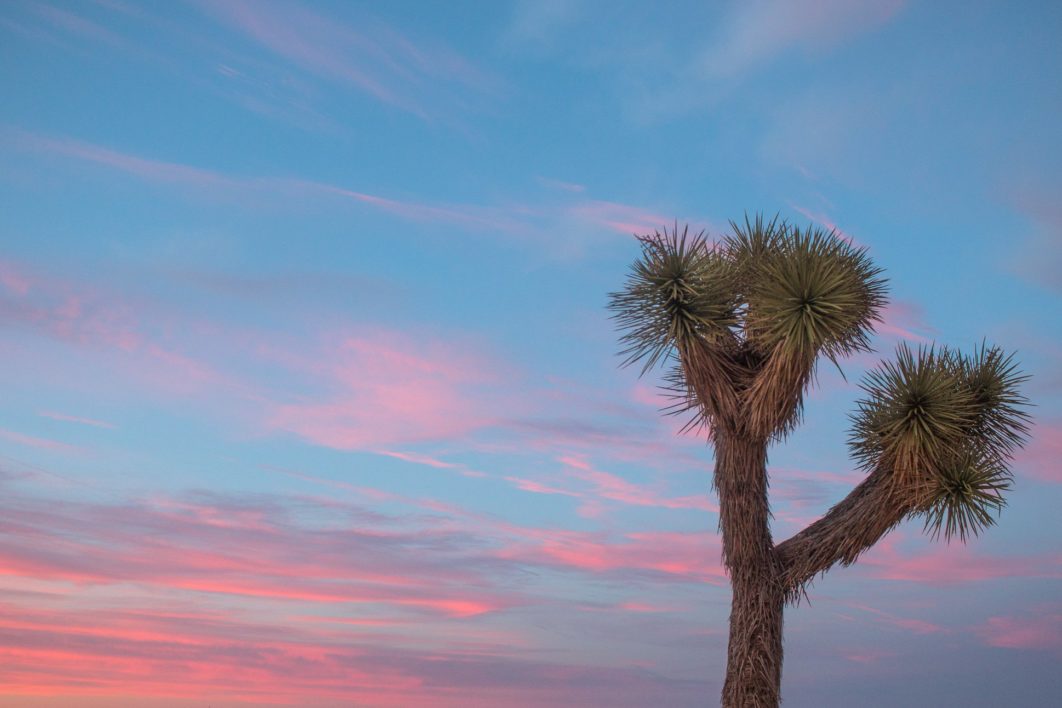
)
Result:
{"points": [[936, 432]]}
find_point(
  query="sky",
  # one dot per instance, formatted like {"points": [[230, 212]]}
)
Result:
{"points": [[310, 393]]}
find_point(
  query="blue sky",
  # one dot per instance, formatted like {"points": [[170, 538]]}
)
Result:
{"points": [[311, 396]]}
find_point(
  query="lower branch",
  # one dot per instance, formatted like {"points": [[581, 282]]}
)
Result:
{"points": [[855, 524]]}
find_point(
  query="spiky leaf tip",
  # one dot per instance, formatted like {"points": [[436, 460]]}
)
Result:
{"points": [[679, 289], [749, 246], [994, 381]]}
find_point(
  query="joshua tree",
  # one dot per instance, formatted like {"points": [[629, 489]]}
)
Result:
{"points": [[741, 323]]}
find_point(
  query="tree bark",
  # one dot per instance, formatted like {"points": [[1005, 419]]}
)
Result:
{"points": [[754, 654], [851, 527]]}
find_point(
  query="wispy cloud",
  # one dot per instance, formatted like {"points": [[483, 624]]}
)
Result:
{"points": [[1042, 457], [824, 220], [308, 594], [238, 657], [413, 75], [910, 624], [1038, 630], [690, 557], [38, 442], [79, 26], [622, 218], [559, 223], [226, 547], [1039, 257], [901, 319], [605, 485], [347, 385], [145, 168], [385, 388], [66, 418], [757, 33], [948, 565]]}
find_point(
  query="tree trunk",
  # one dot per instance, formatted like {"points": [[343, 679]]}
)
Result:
{"points": [[754, 655]]}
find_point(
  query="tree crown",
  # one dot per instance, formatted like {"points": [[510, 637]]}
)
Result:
{"points": [[742, 321]]}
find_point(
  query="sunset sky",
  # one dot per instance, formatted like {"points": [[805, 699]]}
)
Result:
{"points": [[309, 392]]}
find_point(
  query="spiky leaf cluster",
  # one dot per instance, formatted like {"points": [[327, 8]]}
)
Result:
{"points": [[966, 494], [945, 425], [916, 412], [768, 284], [679, 290], [807, 291], [993, 379]]}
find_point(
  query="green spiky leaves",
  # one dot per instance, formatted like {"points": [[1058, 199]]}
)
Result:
{"points": [[945, 425], [807, 291], [917, 410], [680, 289], [748, 317], [769, 285], [966, 495], [993, 380]]}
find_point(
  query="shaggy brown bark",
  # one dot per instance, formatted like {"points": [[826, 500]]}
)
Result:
{"points": [[754, 653], [852, 526]]}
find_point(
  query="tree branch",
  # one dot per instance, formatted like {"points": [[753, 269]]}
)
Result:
{"points": [[773, 401], [852, 526], [710, 372]]}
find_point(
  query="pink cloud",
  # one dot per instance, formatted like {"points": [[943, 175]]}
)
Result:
{"points": [[120, 657], [530, 485], [14, 280], [905, 320], [323, 610], [916, 626], [644, 607], [682, 555], [74, 313], [392, 389], [250, 551], [612, 487], [622, 218], [1042, 457], [126, 331], [75, 418], [368, 389], [1041, 630], [37, 442], [943, 565], [419, 459], [867, 656], [154, 170], [429, 461], [824, 220]]}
